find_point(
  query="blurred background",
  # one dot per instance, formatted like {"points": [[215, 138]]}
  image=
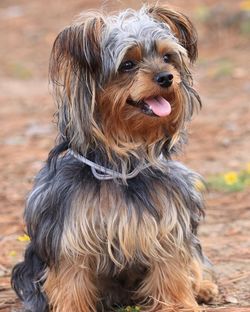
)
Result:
{"points": [[219, 145]]}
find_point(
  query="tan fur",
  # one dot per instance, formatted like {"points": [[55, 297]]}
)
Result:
{"points": [[134, 53], [70, 288], [103, 228], [169, 47], [181, 27], [208, 291], [126, 129], [106, 219], [168, 287], [204, 288]]}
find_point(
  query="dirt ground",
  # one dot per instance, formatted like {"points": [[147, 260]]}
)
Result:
{"points": [[219, 134]]}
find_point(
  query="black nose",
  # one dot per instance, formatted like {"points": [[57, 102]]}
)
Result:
{"points": [[164, 79]]}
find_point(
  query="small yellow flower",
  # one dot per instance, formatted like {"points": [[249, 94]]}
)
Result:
{"points": [[137, 308], [199, 186], [245, 5], [23, 238], [12, 253], [231, 178]]}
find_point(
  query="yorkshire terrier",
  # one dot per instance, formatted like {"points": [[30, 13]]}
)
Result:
{"points": [[112, 218]]}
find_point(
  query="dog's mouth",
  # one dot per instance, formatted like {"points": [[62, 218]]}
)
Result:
{"points": [[154, 106]]}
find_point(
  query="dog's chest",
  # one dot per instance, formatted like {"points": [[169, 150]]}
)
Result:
{"points": [[123, 222]]}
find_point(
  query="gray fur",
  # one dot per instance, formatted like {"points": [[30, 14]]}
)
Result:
{"points": [[128, 29]]}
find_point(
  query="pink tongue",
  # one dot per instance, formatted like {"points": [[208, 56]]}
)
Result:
{"points": [[159, 106]]}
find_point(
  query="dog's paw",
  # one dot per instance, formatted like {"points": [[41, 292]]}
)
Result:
{"points": [[208, 292]]}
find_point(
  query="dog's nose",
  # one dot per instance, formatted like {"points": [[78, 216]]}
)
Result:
{"points": [[164, 79]]}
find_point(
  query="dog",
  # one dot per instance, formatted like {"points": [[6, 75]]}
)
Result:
{"points": [[112, 218]]}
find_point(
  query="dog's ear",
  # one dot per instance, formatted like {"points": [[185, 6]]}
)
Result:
{"points": [[181, 27], [75, 70], [77, 49]]}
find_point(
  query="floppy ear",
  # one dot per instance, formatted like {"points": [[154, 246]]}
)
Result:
{"points": [[75, 68], [77, 49], [181, 27]]}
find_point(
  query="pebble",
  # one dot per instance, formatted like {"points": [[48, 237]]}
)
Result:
{"points": [[231, 299]]}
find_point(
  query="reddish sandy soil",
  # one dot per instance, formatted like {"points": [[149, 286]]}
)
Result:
{"points": [[219, 135]]}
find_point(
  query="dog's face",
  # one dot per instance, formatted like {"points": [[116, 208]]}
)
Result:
{"points": [[125, 80]]}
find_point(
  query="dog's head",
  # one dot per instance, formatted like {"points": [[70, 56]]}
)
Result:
{"points": [[123, 82]]}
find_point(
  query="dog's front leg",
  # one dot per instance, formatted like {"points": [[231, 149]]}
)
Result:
{"points": [[70, 288], [168, 288]]}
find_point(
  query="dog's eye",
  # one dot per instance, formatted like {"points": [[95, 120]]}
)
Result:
{"points": [[127, 66], [166, 58]]}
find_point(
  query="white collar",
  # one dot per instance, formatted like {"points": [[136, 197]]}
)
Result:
{"points": [[107, 174]]}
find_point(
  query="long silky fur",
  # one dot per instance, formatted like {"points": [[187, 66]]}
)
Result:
{"points": [[98, 244], [71, 216]]}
